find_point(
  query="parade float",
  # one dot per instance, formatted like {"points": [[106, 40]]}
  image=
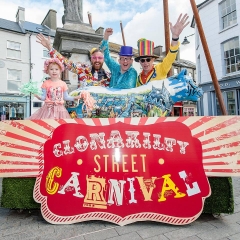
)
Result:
{"points": [[123, 169], [127, 161]]}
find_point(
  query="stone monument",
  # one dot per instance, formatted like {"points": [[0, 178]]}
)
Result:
{"points": [[75, 38], [73, 11]]}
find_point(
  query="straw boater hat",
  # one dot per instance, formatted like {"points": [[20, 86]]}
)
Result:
{"points": [[145, 49]]}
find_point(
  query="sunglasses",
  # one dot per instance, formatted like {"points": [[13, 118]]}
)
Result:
{"points": [[142, 60]]}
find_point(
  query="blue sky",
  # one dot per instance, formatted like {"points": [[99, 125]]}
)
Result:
{"points": [[140, 18]]}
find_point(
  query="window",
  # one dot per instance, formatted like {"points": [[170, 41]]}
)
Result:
{"points": [[13, 50], [175, 71], [228, 13], [231, 102], [14, 78], [46, 53], [37, 104], [231, 55], [188, 111], [190, 74]]}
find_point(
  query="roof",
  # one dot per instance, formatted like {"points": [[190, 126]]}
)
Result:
{"points": [[200, 4], [37, 28], [11, 26], [26, 27], [185, 63]]}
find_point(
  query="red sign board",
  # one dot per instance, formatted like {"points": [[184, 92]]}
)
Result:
{"points": [[122, 173]]}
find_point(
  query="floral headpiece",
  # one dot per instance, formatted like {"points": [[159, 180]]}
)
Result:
{"points": [[53, 60]]}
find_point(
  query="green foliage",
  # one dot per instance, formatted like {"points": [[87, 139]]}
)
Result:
{"points": [[221, 199], [18, 194]]}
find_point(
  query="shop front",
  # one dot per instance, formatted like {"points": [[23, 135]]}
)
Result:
{"points": [[177, 109], [230, 89], [13, 107]]}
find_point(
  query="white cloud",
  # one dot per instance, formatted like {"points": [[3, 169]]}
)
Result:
{"points": [[34, 11], [150, 25]]}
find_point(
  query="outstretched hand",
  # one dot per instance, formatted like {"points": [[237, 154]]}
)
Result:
{"points": [[46, 42], [179, 25], [108, 32]]}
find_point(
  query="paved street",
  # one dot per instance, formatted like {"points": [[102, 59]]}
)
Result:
{"points": [[16, 225]]}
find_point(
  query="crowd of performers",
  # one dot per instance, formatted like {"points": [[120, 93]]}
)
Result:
{"points": [[123, 75]]}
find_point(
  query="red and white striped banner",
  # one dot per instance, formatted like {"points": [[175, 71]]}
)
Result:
{"points": [[21, 142]]}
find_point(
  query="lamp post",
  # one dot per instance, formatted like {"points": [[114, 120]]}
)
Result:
{"points": [[185, 41]]}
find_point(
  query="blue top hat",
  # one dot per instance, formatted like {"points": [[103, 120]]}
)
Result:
{"points": [[126, 51]]}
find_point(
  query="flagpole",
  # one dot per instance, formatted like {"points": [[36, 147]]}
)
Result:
{"points": [[166, 28], [123, 38]]}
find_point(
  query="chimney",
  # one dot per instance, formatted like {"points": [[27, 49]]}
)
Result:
{"points": [[20, 15], [50, 19], [158, 50], [100, 30]]}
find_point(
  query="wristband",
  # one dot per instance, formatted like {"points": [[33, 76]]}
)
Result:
{"points": [[175, 39]]}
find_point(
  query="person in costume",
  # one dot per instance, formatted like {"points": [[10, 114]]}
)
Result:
{"points": [[147, 58], [123, 75], [54, 92], [98, 72], [93, 75]]}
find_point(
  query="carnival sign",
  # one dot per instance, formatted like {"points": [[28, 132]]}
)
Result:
{"points": [[122, 173]]}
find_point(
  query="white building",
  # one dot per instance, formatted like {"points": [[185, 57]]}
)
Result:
{"points": [[220, 20], [21, 59]]}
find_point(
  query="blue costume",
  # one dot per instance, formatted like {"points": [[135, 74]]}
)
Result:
{"points": [[118, 80]]}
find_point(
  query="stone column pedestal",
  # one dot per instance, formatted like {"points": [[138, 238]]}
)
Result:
{"points": [[77, 40]]}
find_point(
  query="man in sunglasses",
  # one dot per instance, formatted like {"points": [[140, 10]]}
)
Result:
{"points": [[93, 75], [147, 58], [123, 75]]}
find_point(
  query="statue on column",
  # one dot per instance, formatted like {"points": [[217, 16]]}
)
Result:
{"points": [[73, 11]]}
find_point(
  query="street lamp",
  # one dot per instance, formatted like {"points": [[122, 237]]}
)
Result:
{"points": [[185, 41]]}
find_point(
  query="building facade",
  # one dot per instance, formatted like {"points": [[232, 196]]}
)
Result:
{"points": [[21, 61], [220, 23]]}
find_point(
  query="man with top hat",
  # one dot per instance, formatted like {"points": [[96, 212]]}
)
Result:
{"points": [[93, 75], [123, 75], [146, 56]]}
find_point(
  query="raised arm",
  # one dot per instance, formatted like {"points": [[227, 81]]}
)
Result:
{"points": [[105, 48], [46, 42], [80, 69], [177, 28]]}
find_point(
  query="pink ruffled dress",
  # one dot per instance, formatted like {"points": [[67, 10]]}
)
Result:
{"points": [[53, 107]]}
